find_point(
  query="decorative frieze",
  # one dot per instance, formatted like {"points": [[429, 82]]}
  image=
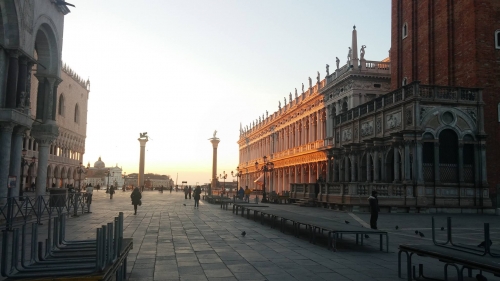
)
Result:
{"points": [[393, 120], [367, 128]]}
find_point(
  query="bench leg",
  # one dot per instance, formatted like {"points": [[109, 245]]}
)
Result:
{"points": [[459, 272], [381, 243]]}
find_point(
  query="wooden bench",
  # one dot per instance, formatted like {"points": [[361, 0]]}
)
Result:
{"points": [[450, 257]]}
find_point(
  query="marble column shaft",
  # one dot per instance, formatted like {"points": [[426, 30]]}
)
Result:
{"points": [[15, 158], [5, 150]]}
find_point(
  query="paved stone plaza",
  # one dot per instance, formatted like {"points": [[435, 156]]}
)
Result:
{"points": [[177, 242]]}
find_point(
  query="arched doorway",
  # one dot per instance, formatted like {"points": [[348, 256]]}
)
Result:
{"points": [[448, 156]]}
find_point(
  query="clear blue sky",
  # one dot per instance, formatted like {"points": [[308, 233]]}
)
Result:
{"points": [[181, 69]]}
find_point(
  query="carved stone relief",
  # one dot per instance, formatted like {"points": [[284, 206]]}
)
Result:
{"points": [[424, 110], [347, 134], [355, 133], [28, 14], [379, 125], [393, 120], [367, 128], [409, 116]]}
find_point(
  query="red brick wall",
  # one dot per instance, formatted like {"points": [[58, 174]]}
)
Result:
{"points": [[451, 43]]}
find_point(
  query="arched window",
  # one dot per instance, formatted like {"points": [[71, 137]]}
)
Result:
{"points": [[77, 114], [61, 105], [448, 156], [405, 30]]}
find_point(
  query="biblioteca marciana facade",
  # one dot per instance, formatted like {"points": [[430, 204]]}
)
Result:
{"points": [[420, 147]]}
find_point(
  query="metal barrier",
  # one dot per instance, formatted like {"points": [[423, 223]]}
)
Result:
{"points": [[15, 211], [106, 256]]}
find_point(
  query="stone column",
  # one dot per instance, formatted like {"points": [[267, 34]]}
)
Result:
{"points": [[44, 135], [376, 166], [396, 164], [407, 161], [215, 143], [21, 83], [328, 167], [484, 178], [346, 168], [368, 167], [5, 150], [335, 178], [460, 162], [437, 174], [353, 168], [142, 156], [419, 162], [15, 157], [12, 76]]}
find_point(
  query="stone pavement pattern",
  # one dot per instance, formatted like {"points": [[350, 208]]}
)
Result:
{"points": [[177, 242]]}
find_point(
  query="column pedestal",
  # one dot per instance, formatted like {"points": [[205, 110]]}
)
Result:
{"points": [[142, 157]]}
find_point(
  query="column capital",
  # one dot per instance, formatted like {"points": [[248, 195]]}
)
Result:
{"points": [[45, 133]]}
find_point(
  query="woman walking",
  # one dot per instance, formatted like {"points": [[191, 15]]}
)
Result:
{"points": [[136, 197], [197, 192]]}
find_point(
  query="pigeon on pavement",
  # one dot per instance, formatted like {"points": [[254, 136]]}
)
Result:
{"points": [[482, 244], [421, 234], [243, 233], [397, 227], [442, 228], [184, 204], [366, 236], [347, 222]]}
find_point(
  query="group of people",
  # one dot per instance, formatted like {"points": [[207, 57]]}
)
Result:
{"points": [[196, 195]]}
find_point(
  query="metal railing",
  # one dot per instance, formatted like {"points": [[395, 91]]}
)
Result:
{"points": [[22, 210]]}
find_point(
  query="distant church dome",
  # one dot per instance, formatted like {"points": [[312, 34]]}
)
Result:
{"points": [[99, 164]]}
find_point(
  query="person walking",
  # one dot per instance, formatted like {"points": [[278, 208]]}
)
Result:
{"points": [[89, 190], [196, 195], [190, 190], [136, 197], [161, 189], [374, 209], [171, 189], [241, 193], [186, 192], [111, 192], [247, 194]]}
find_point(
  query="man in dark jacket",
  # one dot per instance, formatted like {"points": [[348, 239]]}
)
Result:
{"points": [[374, 209]]}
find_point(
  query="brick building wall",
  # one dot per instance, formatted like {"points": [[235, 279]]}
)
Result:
{"points": [[451, 43]]}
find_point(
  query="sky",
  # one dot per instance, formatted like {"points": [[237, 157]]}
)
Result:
{"points": [[179, 70]]}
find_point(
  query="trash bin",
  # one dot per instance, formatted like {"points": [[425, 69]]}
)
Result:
{"points": [[57, 197]]}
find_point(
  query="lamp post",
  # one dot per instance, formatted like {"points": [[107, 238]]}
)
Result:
{"points": [[266, 167], [24, 163], [108, 173], [224, 177], [81, 170], [237, 175]]}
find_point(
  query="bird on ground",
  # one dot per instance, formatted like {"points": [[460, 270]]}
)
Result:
{"points": [[421, 234], [366, 236], [184, 204], [416, 231], [480, 277], [482, 244], [347, 222], [442, 228], [243, 233], [397, 227]]}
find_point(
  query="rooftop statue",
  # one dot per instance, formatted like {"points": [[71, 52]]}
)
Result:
{"points": [[349, 54], [296, 96], [284, 100], [215, 133], [302, 87], [327, 70], [362, 52], [290, 96], [310, 82], [267, 114], [338, 62], [317, 78], [279, 105]]}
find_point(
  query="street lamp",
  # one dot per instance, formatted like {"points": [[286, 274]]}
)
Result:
{"points": [[237, 175], [81, 170], [24, 163], [267, 167], [108, 173], [224, 177]]}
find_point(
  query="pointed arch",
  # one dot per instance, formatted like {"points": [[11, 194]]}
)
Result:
{"points": [[76, 118], [61, 105]]}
